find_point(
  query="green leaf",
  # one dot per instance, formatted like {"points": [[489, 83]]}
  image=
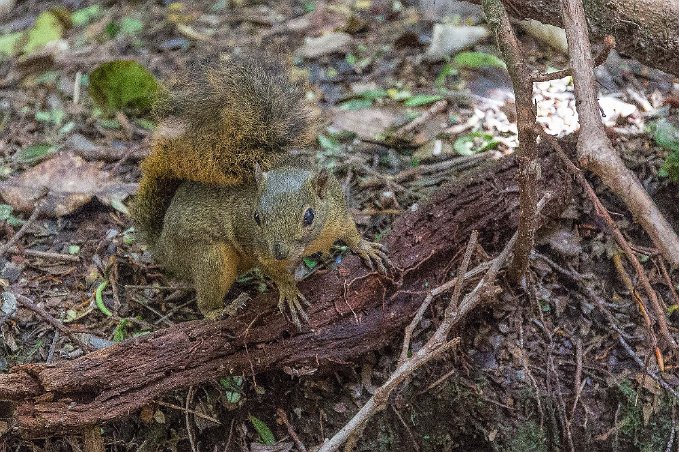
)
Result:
{"points": [[111, 123], [474, 142], [399, 94], [265, 433], [6, 215], [9, 43], [232, 383], [145, 124], [666, 135], [48, 27], [130, 25], [5, 211], [34, 153], [120, 331], [373, 94], [129, 236], [356, 104], [123, 85], [446, 71], [422, 99], [55, 116], [83, 16], [329, 143], [66, 128], [309, 7], [233, 388], [73, 249], [310, 263], [98, 299], [477, 60]]}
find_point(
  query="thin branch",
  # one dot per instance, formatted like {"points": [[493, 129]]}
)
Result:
{"points": [[280, 412], [435, 346], [527, 155], [609, 44], [595, 151], [602, 212], [427, 301], [29, 304], [20, 233], [435, 109]]}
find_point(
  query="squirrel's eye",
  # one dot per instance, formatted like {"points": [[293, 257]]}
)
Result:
{"points": [[308, 217], [257, 219]]}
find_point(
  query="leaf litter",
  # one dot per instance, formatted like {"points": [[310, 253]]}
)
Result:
{"points": [[500, 377]]}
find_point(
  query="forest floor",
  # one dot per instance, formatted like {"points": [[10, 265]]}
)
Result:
{"points": [[532, 374]]}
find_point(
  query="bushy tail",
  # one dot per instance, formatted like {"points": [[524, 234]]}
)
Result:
{"points": [[216, 122]]}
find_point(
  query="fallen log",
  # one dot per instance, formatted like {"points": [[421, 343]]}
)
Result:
{"points": [[647, 30], [353, 312]]}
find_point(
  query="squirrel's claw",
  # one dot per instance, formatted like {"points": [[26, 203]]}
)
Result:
{"points": [[292, 300], [373, 255]]}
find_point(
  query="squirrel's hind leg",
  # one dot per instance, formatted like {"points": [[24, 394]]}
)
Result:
{"points": [[214, 271]]}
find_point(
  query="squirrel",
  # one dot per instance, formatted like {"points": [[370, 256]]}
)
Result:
{"points": [[224, 190]]}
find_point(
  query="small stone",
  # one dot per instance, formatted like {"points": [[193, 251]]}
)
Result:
{"points": [[336, 42], [11, 271], [174, 44], [448, 39]]}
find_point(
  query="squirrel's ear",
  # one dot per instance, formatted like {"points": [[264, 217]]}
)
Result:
{"points": [[260, 176], [320, 182]]}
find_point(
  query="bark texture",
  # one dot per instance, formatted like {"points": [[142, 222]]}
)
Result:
{"points": [[647, 30], [353, 312]]}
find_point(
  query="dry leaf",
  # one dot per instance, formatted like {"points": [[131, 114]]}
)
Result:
{"points": [[65, 182]]}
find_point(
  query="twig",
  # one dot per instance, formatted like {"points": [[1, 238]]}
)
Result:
{"points": [[435, 346], [187, 418], [668, 282], [427, 301], [602, 212], [47, 255], [670, 442], [527, 154], [20, 233], [184, 409], [416, 447], [595, 151], [577, 381], [29, 304], [600, 303], [280, 412], [627, 281], [609, 44], [434, 110], [454, 300]]}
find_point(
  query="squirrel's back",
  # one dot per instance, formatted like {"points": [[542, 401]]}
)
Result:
{"points": [[216, 121]]}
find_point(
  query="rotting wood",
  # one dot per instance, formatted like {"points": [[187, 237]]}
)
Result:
{"points": [[353, 312]]}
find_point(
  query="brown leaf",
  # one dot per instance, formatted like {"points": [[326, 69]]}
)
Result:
{"points": [[65, 183], [367, 123]]}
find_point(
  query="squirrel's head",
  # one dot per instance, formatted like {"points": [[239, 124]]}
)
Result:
{"points": [[291, 209]]}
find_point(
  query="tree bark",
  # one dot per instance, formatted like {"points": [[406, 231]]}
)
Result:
{"points": [[647, 30], [353, 312]]}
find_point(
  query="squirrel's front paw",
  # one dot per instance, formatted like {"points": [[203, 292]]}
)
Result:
{"points": [[373, 254], [291, 298]]}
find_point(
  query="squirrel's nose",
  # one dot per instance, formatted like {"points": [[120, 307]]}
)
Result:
{"points": [[280, 251]]}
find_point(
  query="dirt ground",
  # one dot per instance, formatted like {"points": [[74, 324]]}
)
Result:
{"points": [[533, 373]]}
